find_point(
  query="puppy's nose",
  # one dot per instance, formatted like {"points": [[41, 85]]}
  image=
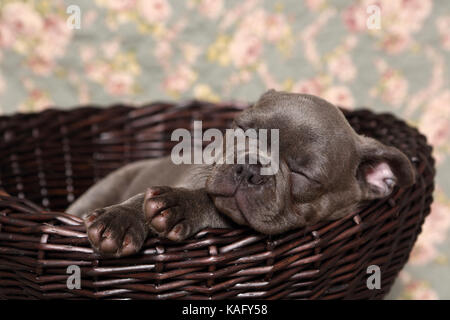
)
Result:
{"points": [[250, 173]]}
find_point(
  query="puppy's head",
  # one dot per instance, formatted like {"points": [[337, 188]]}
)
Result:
{"points": [[325, 168]]}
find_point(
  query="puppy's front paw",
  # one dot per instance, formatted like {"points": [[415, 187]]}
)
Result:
{"points": [[166, 213], [116, 231]]}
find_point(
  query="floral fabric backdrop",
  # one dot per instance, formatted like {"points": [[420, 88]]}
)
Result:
{"points": [[142, 50]]}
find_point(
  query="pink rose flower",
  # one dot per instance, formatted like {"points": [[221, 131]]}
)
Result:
{"points": [[423, 253], [111, 48], [395, 43], [211, 8], [41, 65], [312, 86], [443, 26], [435, 122], [315, 5], [418, 290], [254, 23], [54, 38], [408, 14], [339, 96], [163, 51], [37, 100], [89, 18], [120, 5], [277, 27], [180, 80], [97, 71], [355, 18], [154, 11], [395, 88], [6, 36], [119, 83], [245, 49], [433, 234], [21, 19], [87, 53], [342, 67]]}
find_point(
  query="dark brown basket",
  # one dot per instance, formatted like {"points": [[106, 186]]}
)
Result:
{"points": [[49, 158]]}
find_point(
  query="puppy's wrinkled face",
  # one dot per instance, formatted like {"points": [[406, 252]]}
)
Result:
{"points": [[325, 168]]}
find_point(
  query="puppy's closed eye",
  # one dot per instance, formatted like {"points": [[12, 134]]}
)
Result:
{"points": [[303, 187], [305, 175]]}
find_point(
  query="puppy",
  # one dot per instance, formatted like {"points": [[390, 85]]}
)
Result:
{"points": [[325, 171]]}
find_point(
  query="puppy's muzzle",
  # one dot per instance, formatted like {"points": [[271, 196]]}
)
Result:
{"points": [[230, 178], [249, 174]]}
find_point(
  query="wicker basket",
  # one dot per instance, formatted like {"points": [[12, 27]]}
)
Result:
{"points": [[50, 158]]}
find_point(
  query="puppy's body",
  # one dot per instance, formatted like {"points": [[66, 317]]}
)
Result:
{"points": [[325, 171], [135, 178]]}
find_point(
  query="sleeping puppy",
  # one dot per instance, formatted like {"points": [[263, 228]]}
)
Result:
{"points": [[325, 170]]}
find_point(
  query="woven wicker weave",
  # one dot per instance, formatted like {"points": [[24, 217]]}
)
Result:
{"points": [[49, 158]]}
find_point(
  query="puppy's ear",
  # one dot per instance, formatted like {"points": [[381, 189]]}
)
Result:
{"points": [[381, 168], [268, 94], [268, 97]]}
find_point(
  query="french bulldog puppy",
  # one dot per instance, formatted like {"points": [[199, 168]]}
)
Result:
{"points": [[325, 171]]}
